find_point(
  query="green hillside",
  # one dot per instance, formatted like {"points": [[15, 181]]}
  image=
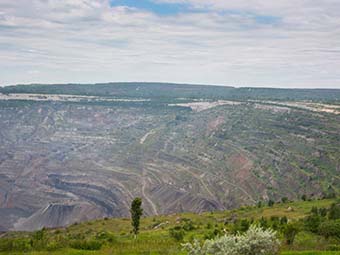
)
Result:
{"points": [[164, 234]]}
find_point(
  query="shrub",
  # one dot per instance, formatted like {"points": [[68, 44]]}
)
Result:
{"points": [[323, 212], [209, 235], [284, 220], [259, 204], [290, 232], [39, 235], [333, 247], [240, 226], [314, 210], [334, 212], [263, 222], [271, 203], [195, 248], [38, 239], [330, 229], [284, 199], [177, 233], [52, 246], [22, 244], [244, 225], [312, 223], [6, 244], [256, 241], [188, 225]]}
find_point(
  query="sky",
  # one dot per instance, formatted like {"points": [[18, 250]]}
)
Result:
{"points": [[260, 43]]}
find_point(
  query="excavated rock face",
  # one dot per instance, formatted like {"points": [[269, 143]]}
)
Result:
{"points": [[65, 162], [58, 215]]}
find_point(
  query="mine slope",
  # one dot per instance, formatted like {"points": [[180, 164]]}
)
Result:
{"points": [[70, 153]]}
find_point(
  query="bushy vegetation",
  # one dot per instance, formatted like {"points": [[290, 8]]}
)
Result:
{"points": [[311, 225], [255, 241]]}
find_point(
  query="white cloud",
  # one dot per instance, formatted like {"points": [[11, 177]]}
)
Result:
{"points": [[231, 43]]}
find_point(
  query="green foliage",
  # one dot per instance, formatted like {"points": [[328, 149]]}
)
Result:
{"points": [[18, 244], [283, 220], [113, 238], [284, 200], [271, 203], [312, 222], [53, 246], [188, 225], [177, 233], [290, 231], [330, 193], [323, 212], [209, 226], [38, 241], [314, 210], [330, 228], [263, 223], [334, 211], [39, 235], [310, 253], [136, 212], [334, 247], [241, 226]]}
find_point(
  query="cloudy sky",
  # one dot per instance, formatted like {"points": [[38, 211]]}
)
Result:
{"points": [[281, 43]]}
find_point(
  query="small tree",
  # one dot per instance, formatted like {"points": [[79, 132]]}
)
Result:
{"points": [[314, 210], [284, 220], [312, 223], [177, 233], [271, 203], [136, 212], [330, 229], [290, 232], [38, 239], [263, 223], [334, 212]]}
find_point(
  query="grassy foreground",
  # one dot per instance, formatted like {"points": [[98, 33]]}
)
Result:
{"points": [[155, 237], [109, 252]]}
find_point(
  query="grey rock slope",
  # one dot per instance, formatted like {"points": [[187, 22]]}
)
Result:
{"points": [[58, 215], [64, 160]]}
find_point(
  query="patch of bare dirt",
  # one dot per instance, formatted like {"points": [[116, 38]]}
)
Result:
{"points": [[242, 166], [201, 106]]}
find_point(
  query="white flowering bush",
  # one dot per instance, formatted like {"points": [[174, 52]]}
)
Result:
{"points": [[225, 245], [256, 241], [196, 248]]}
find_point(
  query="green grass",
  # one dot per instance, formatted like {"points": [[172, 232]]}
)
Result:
{"points": [[311, 253], [155, 240]]}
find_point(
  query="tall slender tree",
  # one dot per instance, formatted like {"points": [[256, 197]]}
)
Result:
{"points": [[136, 212]]}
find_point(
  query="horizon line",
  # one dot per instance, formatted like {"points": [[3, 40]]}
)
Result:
{"points": [[169, 83]]}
